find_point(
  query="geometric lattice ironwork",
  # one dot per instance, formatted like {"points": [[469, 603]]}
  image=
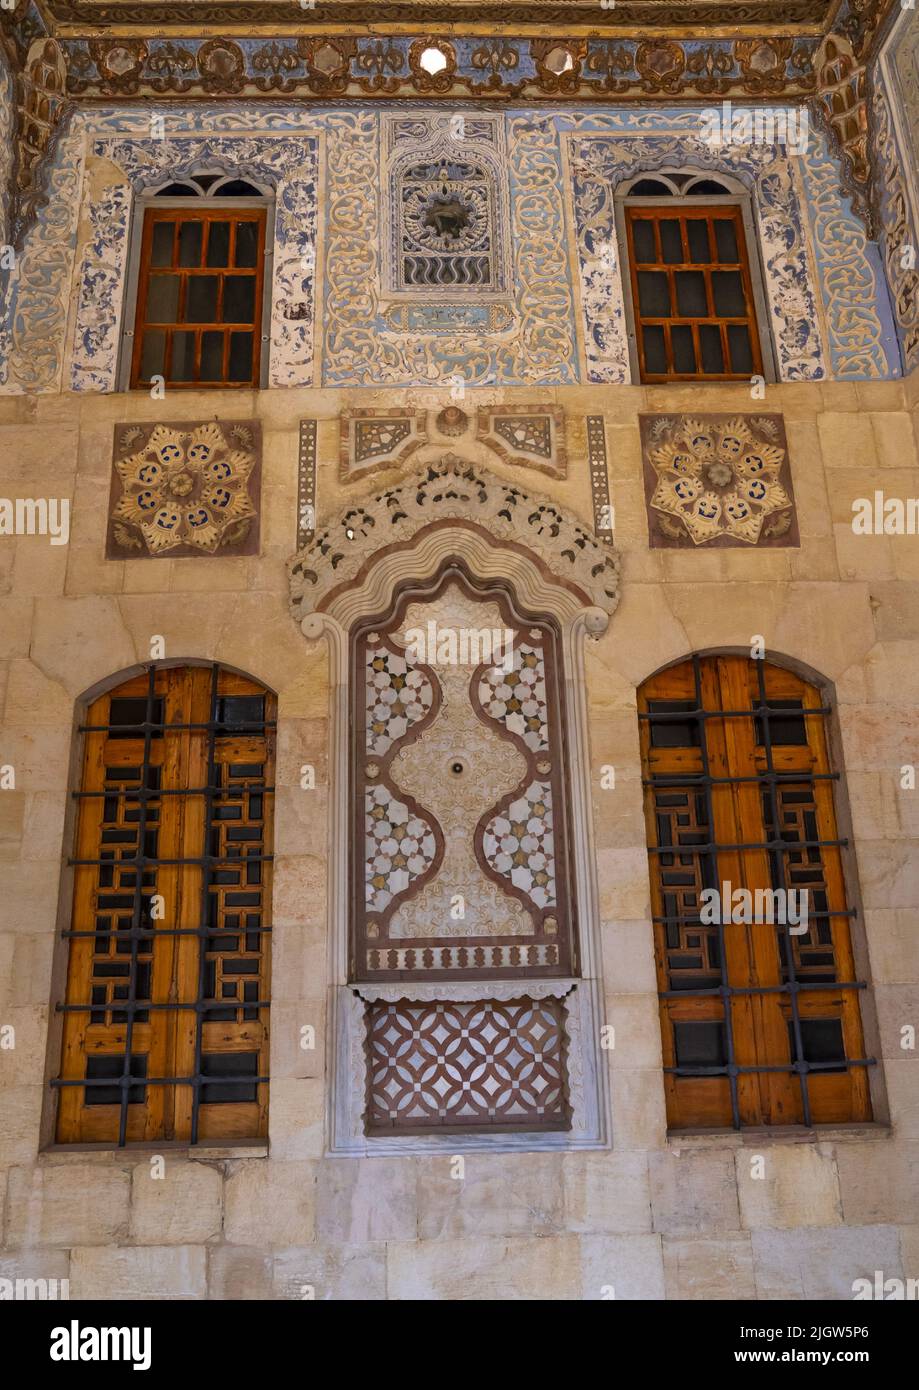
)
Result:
{"points": [[759, 999], [165, 1023], [486, 1065]]}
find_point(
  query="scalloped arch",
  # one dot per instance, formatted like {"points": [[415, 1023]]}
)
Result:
{"points": [[454, 509]]}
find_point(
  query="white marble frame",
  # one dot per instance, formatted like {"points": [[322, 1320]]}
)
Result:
{"points": [[587, 1075]]}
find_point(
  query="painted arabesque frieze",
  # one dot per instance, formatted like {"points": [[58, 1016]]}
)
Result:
{"points": [[288, 166], [554, 225], [895, 132]]}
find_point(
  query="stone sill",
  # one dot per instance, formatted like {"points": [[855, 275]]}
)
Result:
{"points": [[104, 1153], [767, 1135]]}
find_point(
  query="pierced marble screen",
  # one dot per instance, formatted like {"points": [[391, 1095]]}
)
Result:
{"points": [[461, 869]]}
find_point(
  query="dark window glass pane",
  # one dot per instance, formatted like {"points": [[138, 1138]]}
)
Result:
{"points": [[697, 232], [786, 729], [163, 299], [691, 299], [190, 238], [246, 243], [700, 1044], [727, 292], [712, 354], [671, 241], [650, 188], [739, 348], [205, 180], [239, 299], [653, 294], [229, 1064], [183, 357], [153, 354], [655, 354], [673, 733], [643, 240], [707, 186], [107, 1068], [236, 711], [178, 190], [211, 357], [240, 368], [684, 353], [201, 299], [238, 188], [129, 710], [218, 243], [822, 1041], [161, 243], [726, 240]]}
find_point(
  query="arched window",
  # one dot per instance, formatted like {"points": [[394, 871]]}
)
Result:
{"points": [[758, 986], [693, 281], [199, 273], [165, 1031]]}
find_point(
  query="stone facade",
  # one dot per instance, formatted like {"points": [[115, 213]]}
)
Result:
{"points": [[672, 520], [651, 1216]]}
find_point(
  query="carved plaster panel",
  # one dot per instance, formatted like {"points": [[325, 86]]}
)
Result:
{"points": [[454, 490], [718, 480]]}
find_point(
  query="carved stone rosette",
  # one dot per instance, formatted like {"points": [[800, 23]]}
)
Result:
{"points": [[718, 480]]}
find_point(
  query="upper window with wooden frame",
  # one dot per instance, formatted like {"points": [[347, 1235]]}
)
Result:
{"points": [[759, 991], [693, 282], [198, 265], [165, 1016]]}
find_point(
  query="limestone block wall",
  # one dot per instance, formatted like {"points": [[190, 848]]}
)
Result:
{"points": [[651, 1217]]}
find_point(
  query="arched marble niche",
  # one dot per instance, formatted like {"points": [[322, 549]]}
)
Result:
{"points": [[455, 550]]}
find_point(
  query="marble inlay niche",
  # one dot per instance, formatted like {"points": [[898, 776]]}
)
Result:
{"points": [[458, 783]]}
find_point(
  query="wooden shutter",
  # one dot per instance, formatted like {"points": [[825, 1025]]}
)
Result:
{"points": [[692, 293], [760, 1025], [199, 301], [166, 1013]]}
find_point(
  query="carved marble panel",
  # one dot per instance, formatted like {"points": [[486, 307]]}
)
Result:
{"points": [[373, 439], [306, 483], [453, 1065], [185, 489], [604, 520], [717, 480], [532, 436], [453, 490]]}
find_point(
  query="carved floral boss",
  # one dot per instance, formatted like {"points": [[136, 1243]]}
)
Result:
{"points": [[185, 489], [718, 480]]}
